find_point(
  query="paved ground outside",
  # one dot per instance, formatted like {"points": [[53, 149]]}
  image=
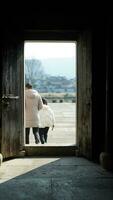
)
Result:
{"points": [[64, 132]]}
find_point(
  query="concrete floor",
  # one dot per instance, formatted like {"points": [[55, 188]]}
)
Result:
{"points": [[63, 178]]}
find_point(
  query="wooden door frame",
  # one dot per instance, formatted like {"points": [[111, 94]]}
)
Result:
{"points": [[83, 39]]}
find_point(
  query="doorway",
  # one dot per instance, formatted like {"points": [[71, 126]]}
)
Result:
{"points": [[12, 133], [50, 67]]}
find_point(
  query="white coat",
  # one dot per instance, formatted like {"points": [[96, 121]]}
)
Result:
{"points": [[33, 103], [46, 117]]}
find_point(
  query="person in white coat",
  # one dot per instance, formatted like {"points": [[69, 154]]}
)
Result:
{"points": [[33, 103], [46, 120]]}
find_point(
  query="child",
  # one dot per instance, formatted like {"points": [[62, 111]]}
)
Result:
{"points": [[46, 120]]}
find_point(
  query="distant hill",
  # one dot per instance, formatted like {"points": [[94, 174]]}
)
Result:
{"points": [[60, 67]]}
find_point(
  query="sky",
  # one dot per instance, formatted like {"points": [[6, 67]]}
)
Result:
{"points": [[59, 67], [42, 50], [58, 58]]}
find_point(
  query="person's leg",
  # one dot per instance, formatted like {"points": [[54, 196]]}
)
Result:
{"points": [[27, 135], [46, 129], [41, 134], [36, 134]]}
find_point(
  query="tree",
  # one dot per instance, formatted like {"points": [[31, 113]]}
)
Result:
{"points": [[33, 71]]}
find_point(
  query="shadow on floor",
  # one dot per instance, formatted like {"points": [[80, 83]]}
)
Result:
{"points": [[66, 178]]}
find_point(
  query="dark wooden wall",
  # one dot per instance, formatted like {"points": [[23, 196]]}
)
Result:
{"points": [[109, 88], [12, 110], [0, 93], [98, 90], [100, 24]]}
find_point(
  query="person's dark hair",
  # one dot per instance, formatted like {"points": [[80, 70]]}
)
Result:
{"points": [[44, 101], [28, 85]]}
